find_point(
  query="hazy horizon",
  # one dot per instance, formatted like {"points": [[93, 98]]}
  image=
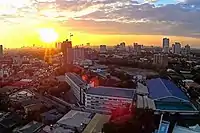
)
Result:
{"points": [[100, 21]]}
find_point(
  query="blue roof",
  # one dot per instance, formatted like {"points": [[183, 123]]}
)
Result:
{"points": [[162, 88], [111, 91]]}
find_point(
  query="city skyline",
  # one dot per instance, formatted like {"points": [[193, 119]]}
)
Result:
{"points": [[100, 21]]}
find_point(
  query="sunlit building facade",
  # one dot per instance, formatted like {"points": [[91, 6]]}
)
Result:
{"points": [[78, 86], [79, 53], [108, 98], [66, 48]]}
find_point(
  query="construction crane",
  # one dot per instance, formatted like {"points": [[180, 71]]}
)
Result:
{"points": [[70, 36]]}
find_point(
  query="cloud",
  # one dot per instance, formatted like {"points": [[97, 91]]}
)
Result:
{"points": [[108, 16], [193, 2]]}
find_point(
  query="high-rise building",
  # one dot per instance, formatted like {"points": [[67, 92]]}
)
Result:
{"points": [[187, 49], [176, 48], [103, 49], [66, 48], [166, 45], [79, 53], [122, 46], [160, 59], [1, 50], [58, 45], [137, 48]]}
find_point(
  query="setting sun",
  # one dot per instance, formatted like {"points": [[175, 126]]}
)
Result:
{"points": [[48, 35]]}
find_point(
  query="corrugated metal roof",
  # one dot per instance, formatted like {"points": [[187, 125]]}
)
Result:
{"points": [[143, 102], [142, 89], [76, 79], [162, 88], [111, 91], [96, 124], [179, 129], [75, 119]]}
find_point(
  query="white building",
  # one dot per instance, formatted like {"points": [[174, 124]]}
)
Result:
{"points": [[160, 59], [103, 49], [78, 86], [108, 98], [166, 45], [176, 48]]}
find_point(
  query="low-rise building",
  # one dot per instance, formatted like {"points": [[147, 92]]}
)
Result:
{"points": [[160, 60], [77, 85], [96, 124], [74, 121], [50, 116], [108, 98], [31, 127]]}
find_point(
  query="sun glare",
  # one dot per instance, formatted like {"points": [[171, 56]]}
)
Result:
{"points": [[48, 35]]}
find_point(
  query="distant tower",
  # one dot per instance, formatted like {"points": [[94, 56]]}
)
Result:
{"points": [[66, 48], [1, 50], [103, 49], [166, 45], [187, 49], [176, 48], [79, 53]]}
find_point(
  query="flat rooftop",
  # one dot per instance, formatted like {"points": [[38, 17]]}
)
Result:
{"points": [[96, 124], [76, 79], [75, 119], [31, 127], [180, 129], [111, 91]]}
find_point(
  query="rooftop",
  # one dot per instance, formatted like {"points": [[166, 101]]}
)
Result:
{"points": [[179, 129], [111, 91], [76, 79], [96, 124], [51, 115], [143, 102], [75, 120], [31, 127], [56, 129], [9, 120], [142, 89], [164, 89], [22, 95]]}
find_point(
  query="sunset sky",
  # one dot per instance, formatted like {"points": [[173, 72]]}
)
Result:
{"points": [[100, 21]]}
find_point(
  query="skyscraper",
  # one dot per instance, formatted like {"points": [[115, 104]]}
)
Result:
{"points": [[122, 46], [166, 45], [103, 49], [66, 48], [1, 50], [137, 48], [79, 53], [176, 48], [187, 49]]}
